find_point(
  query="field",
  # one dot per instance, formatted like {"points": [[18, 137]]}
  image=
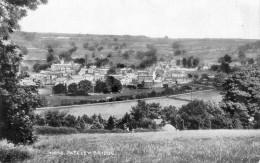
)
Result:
{"points": [[180, 146], [213, 96], [118, 109], [57, 100]]}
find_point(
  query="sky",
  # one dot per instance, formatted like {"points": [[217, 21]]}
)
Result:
{"points": [[153, 18]]}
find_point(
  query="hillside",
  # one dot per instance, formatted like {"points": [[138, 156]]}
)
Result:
{"points": [[208, 50], [180, 146]]}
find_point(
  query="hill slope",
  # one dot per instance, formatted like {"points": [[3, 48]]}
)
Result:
{"points": [[180, 146], [208, 50]]}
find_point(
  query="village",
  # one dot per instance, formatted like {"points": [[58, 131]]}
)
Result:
{"points": [[69, 72]]}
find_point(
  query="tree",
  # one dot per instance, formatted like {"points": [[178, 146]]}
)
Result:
{"points": [[38, 67], [101, 62], [241, 92], [112, 70], [66, 56], [85, 45], [50, 56], [84, 86], [59, 88], [178, 62], [100, 48], [17, 104], [177, 52], [91, 48], [204, 76], [144, 113], [170, 114], [120, 65], [214, 67], [24, 50], [80, 61], [189, 62], [71, 43], [251, 61], [139, 55], [101, 87], [113, 84], [184, 62], [73, 89], [219, 79], [195, 115], [109, 55], [110, 123], [176, 45], [93, 55], [227, 58], [196, 62], [241, 54], [224, 67], [126, 55], [54, 118]]}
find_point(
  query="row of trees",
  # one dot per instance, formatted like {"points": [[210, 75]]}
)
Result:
{"points": [[196, 114], [81, 89], [189, 62], [111, 84]]}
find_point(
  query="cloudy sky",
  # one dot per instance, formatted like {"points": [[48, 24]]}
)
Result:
{"points": [[154, 18]]}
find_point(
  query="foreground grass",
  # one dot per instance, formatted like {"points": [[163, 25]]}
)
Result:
{"points": [[181, 146]]}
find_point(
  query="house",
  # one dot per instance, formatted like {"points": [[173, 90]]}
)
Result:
{"points": [[143, 76], [157, 83], [126, 81], [65, 66], [102, 71], [89, 77], [118, 77], [233, 64], [83, 71], [98, 76], [148, 84], [27, 82]]}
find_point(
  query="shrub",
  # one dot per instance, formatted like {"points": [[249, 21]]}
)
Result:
{"points": [[47, 130], [54, 118], [111, 123], [144, 130], [94, 131], [59, 88], [118, 130], [11, 153]]}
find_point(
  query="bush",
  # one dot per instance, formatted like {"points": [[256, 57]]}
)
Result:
{"points": [[94, 131], [144, 130], [59, 88], [54, 118], [118, 130], [47, 130], [11, 153]]}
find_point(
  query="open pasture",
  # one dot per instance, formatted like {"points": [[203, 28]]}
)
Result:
{"points": [[180, 146]]}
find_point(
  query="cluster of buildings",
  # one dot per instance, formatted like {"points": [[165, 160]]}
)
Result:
{"points": [[67, 73]]}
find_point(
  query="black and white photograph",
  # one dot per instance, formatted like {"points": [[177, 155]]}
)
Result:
{"points": [[138, 81]]}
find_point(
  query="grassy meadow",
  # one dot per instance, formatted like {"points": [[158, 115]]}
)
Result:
{"points": [[118, 109], [57, 100], [180, 146]]}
